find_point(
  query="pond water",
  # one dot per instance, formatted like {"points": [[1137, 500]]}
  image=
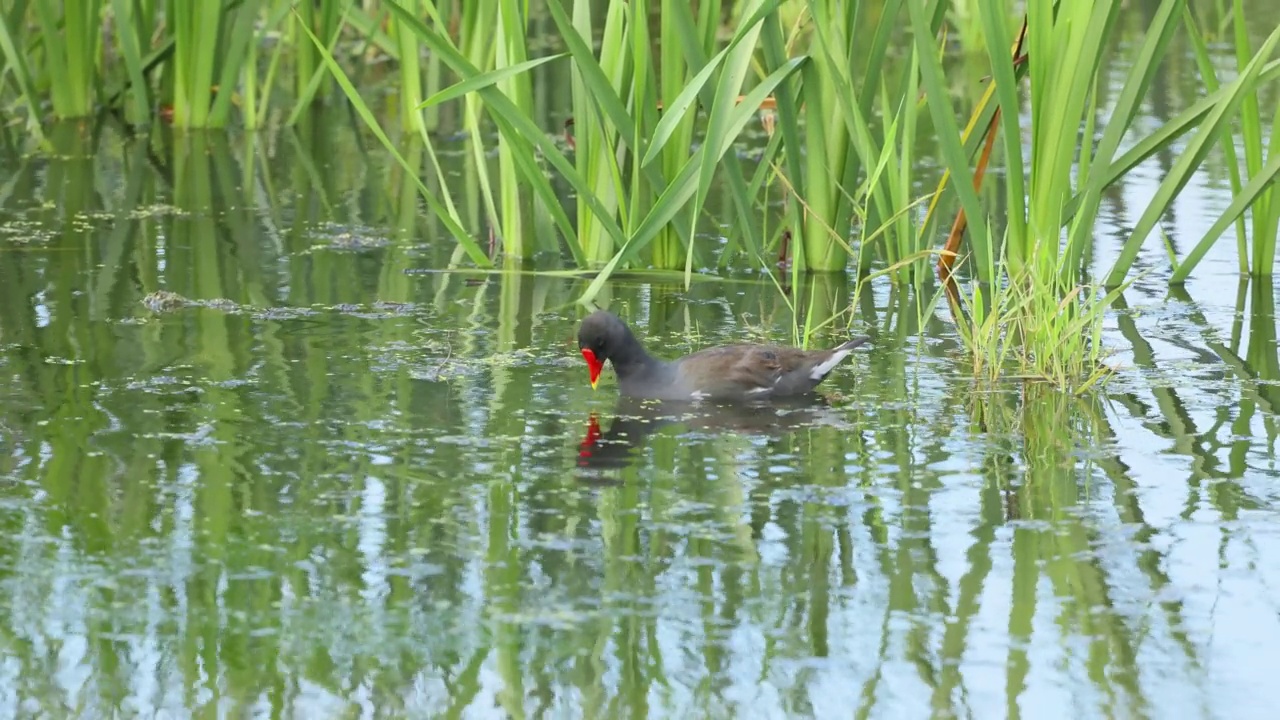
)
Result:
{"points": [[335, 482]]}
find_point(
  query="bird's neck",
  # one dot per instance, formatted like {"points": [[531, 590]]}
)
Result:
{"points": [[632, 360]]}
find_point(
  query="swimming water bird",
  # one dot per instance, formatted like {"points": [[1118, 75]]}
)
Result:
{"points": [[730, 372]]}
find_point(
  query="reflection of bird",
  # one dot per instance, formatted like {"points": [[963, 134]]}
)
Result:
{"points": [[635, 420], [731, 372]]}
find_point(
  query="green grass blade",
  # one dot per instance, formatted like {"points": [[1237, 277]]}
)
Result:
{"points": [[939, 99], [370, 29], [511, 121], [999, 45], [788, 119], [55, 57], [242, 33], [697, 38], [1258, 184], [18, 62], [205, 44], [685, 185], [1125, 108], [468, 242], [1190, 159], [725, 111], [486, 79], [131, 49], [674, 114], [306, 98], [593, 76], [1173, 129], [603, 94], [1209, 77]]}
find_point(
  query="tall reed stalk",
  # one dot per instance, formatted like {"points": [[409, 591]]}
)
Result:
{"points": [[320, 17], [630, 149], [856, 118], [210, 45], [411, 116], [1230, 99], [1040, 308], [517, 201], [1254, 192], [636, 117], [195, 52], [1053, 202], [595, 142], [685, 42], [71, 42]]}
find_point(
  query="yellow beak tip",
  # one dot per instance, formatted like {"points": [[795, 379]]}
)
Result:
{"points": [[593, 384]]}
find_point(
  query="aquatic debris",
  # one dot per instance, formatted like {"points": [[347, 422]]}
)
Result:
{"points": [[450, 367], [219, 304], [438, 373], [347, 241], [377, 311], [163, 384], [283, 313], [333, 236], [157, 210], [26, 232], [164, 301], [511, 358]]}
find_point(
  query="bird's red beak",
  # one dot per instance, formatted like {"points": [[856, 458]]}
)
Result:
{"points": [[594, 365]]}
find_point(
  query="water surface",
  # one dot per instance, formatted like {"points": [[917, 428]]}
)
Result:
{"points": [[338, 483]]}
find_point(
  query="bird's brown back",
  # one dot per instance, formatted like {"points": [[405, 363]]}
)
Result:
{"points": [[741, 369]]}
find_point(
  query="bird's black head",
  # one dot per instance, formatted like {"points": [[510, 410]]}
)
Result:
{"points": [[602, 336]]}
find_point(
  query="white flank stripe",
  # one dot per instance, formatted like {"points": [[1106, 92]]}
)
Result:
{"points": [[820, 371]]}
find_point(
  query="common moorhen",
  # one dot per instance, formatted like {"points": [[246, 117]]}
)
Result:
{"points": [[730, 372]]}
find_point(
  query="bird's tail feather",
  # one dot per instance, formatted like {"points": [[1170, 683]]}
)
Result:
{"points": [[838, 354], [854, 343]]}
